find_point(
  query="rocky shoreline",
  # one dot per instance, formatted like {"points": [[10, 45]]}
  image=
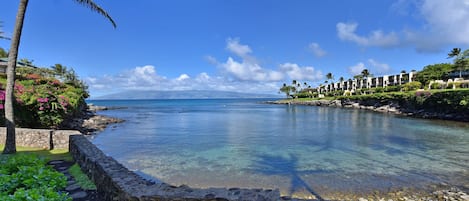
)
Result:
{"points": [[88, 122], [391, 107]]}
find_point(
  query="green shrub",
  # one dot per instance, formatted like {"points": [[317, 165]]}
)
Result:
{"points": [[43, 102], [411, 86], [379, 90], [26, 177], [437, 85], [392, 88]]}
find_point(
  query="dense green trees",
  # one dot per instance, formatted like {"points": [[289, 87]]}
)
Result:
{"points": [[10, 144], [433, 72]]}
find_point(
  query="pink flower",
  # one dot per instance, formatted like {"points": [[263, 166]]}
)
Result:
{"points": [[42, 100], [41, 108], [2, 95], [1, 106]]}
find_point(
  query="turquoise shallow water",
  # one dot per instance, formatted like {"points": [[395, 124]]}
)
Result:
{"points": [[298, 149]]}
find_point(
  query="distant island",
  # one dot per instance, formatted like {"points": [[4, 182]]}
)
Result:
{"points": [[186, 94]]}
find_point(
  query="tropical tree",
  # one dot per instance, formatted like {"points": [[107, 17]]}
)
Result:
{"points": [[329, 76], [59, 70], [287, 90], [461, 59], [26, 61], [2, 34], [10, 144], [294, 83], [455, 52], [3, 53], [366, 73], [433, 72]]}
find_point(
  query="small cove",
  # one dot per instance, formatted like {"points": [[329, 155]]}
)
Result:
{"points": [[301, 150]]}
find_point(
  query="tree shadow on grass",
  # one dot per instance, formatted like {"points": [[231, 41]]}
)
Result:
{"points": [[55, 154], [285, 166]]}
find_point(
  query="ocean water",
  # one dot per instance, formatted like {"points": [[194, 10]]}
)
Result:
{"points": [[301, 150]]}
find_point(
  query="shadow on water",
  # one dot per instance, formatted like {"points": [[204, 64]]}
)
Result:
{"points": [[285, 166]]}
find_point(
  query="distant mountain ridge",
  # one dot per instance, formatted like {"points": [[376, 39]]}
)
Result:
{"points": [[186, 94]]}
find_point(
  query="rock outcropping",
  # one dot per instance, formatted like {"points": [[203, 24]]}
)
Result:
{"points": [[385, 106], [88, 122]]}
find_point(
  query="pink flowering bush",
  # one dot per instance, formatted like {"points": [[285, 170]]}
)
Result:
{"points": [[43, 102]]}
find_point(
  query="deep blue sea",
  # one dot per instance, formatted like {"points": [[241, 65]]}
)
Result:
{"points": [[298, 149]]}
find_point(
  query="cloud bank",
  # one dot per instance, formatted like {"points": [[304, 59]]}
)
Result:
{"points": [[443, 23], [249, 69], [243, 75]]}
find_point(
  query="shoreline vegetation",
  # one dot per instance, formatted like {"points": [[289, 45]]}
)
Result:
{"points": [[438, 91], [436, 104]]}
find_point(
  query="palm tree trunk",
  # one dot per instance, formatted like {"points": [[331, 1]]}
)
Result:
{"points": [[10, 143]]}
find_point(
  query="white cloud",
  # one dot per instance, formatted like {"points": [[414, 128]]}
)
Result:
{"points": [[246, 75], [249, 68], [240, 50], [211, 60], [183, 77], [356, 69], [138, 78], [347, 32], [317, 50], [250, 71], [295, 72], [146, 78], [443, 23], [378, 68]]}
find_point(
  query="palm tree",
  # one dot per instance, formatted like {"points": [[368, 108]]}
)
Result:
{"points": [[460, 60], [365, 73], [59, 70], [2, 34], [329, 76], [285, 89], [10, 144], [455, 52]]}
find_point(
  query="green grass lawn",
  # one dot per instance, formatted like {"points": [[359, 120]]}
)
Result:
{"points": [[57, 154]]}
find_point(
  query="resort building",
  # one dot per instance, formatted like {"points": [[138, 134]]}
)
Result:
{"points": [[369, 82]]}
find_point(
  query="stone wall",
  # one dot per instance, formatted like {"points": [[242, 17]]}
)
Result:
{"points": [[40, 138], [115, 182]]}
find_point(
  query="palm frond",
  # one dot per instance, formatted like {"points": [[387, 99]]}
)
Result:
{"points": [[454, 52], [95, 7]]}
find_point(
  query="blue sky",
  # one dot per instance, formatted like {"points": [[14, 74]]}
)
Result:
{"points": [[237, 45]]}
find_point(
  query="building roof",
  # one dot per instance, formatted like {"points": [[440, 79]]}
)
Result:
{"points": [[4, 63]]}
